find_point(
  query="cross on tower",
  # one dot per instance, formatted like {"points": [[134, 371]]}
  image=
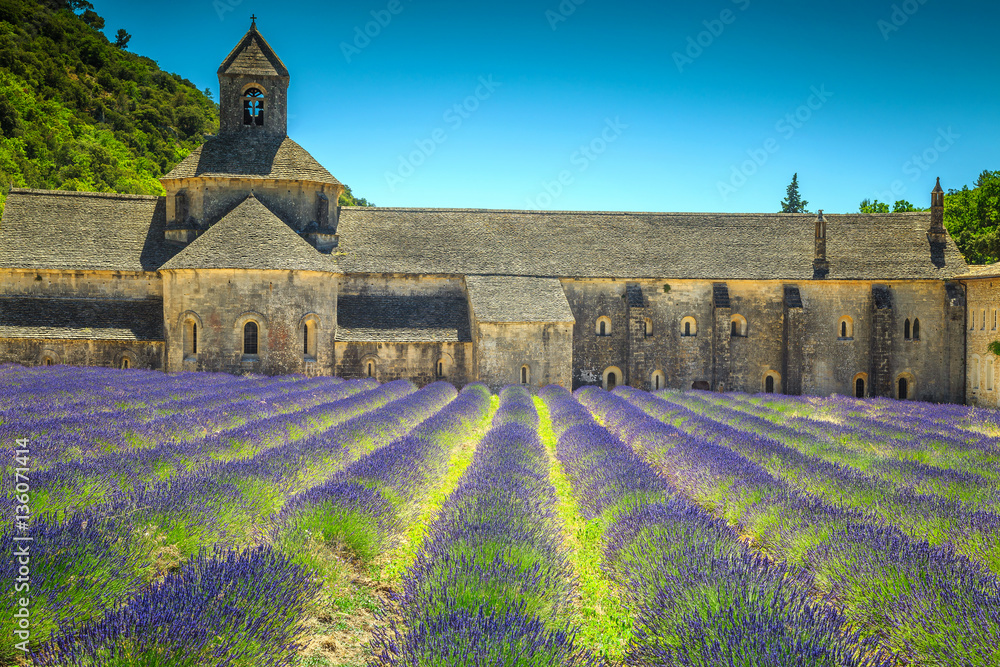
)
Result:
{"points": [[253, 20]]}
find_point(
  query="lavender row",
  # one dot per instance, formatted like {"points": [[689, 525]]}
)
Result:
{"points": [[492, 583], [153, 529], [70, 485], [975, 533], [695, 594], [928, 603]]}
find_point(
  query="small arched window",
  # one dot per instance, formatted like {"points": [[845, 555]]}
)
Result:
{"points": [[440, 368], [738, 326], [974, 372], [250, 332], [649, 327], [309, 340], [916, 329], [860, 385], [125, 363], [989, 375], [370, 368], [906, 329], [525, 375], [658, 381], [906, 387], [190, 338], [903, 390], [689, 327], [982, 321], [49, 361], [253, 107], [603, 326], [845, 327], [772, 382]]}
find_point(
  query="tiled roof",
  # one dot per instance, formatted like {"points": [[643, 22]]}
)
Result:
{"points": [[253, 56], [402, 319], [708, 246], [94, 319], [250, 237], [518, 299], [251, 155], [49, 229]]}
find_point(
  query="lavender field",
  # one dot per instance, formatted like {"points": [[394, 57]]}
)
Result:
{"points": [[207, 519]]}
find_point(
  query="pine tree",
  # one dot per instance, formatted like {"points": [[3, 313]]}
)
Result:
{"points": [[793, 202]]}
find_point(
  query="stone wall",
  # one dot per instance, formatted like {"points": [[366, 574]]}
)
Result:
{"points": [[981, 330], [107, 353], [221, 301], [81, 284], [417, 362], [503, 349]]}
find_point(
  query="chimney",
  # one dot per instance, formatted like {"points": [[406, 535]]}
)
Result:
{"points": [[937, 233], [821, 267]]}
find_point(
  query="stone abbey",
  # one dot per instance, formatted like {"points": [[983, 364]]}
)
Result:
{"points": [[248, 265]]}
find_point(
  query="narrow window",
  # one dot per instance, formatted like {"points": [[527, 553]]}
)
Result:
{"points": [[859, 388], [687, 328], [733, 329], [49, 362], [250, 338], [843, 329], [524, 375], [371, 369], [974, 372], [194, 338], [994, 319], [604, 328], [906, 329], [253, 107], [989, 375], [649, 327], [656, 382], [903, 387], [769, 384], [612, 380], [916, 329], [305, 339], [982, 321], [125, 363], [190, 338], [440, 369]]}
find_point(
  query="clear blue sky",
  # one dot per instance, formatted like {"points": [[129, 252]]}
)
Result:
{"points": [[672, 106]]}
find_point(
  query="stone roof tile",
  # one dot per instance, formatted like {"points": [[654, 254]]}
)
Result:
{"points": [[50, 229], [402, 319], [253, 56], [518, 299], [93, 319], [250, 237], [251, 155], [704, 246]]}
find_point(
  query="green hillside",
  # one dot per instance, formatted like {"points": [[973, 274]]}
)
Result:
{"points": [[78, 112]]}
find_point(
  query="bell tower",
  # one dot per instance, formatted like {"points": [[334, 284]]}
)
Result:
{"points": [[253, 88]]}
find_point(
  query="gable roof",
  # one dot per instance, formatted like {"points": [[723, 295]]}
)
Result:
{"points": [[93, 319], [518, 299], [402, 319], [253, 56], [50, 229], [250, 237], [251, 155], [709, 246]]}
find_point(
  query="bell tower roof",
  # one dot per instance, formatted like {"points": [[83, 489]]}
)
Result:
{"points": [[253, 56]]}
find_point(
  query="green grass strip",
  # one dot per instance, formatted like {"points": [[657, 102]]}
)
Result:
{"points": [[604, 626], [428, 508]]}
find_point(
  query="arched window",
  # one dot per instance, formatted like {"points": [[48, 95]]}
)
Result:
{"points": [[738, 326], [994, 319], [525, 375], [253, 107], [603, 326], [49, 361], [658, 381], [982, 321], [125, 363], [906, 387], [860, 385], [370, 368], [989, 375], [250, 331], [772, 382], [906, 329], [440, 368], [612, 377], [769, 385], [689, 327], [309, 340], [972, 319], [845, 327], [974, 372], [190, 338], [649, 327], [916, 329]]}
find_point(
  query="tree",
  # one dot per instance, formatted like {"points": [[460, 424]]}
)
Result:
{"points": [[793, 203], [122, 38], [347, 198], [869, 206], [972, 217]]}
